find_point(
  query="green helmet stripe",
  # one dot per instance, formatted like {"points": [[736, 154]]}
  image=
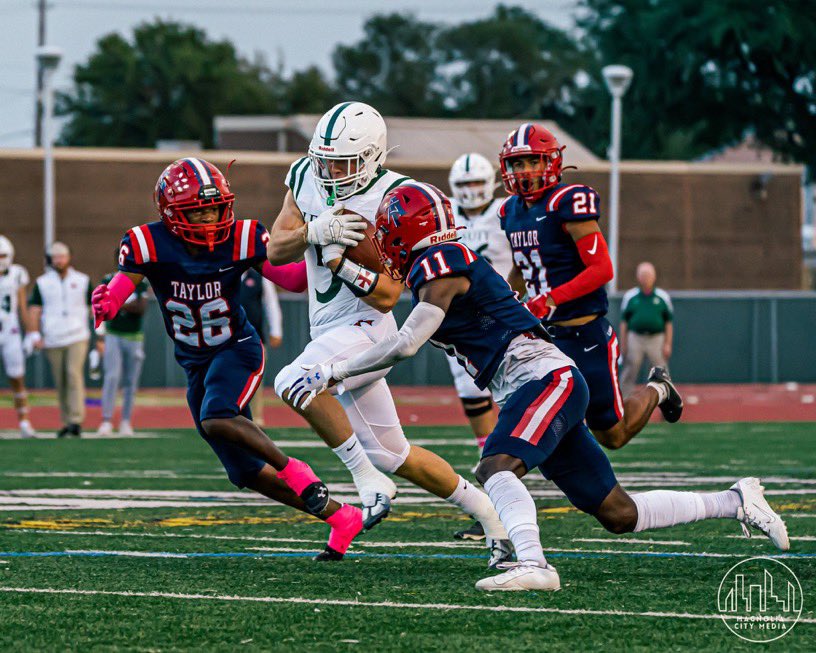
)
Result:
{"points": [[467, 163], [332, 120]]}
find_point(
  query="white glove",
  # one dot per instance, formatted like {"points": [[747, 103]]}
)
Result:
{"points": [[332, 226], [333, 251], [314, 380], [31, 339]]}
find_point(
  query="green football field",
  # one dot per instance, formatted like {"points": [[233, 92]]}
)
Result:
{"points": [[143, 544]]}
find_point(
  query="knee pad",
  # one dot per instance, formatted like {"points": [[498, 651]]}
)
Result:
{"points": [[475, 406], [387, 450]]}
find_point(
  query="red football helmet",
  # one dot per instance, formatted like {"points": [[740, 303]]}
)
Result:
{"points": [[411, 217], [531, 139], [193, 183]]}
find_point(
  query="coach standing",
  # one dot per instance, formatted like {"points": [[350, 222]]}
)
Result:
{"points": [[60, 303], [646, 326]]}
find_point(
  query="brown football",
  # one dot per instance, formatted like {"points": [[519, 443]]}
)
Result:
{"points": [[365, 253]]}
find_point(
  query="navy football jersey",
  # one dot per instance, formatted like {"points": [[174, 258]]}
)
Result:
{"points": [[480, 324], [199, 295], [544, 251]]}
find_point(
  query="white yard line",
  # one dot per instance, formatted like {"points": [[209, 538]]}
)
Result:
{"points": [[373, 604], [631, 540]]}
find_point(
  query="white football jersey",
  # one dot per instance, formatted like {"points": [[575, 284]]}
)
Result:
{"points": [[483, 234], [330, 300], [10, 283]]}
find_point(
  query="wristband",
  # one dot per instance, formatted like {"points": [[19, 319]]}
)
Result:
{"points": [[361, 281]]}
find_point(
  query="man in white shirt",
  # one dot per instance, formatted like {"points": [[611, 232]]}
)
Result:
{"points": [[60, 303]]}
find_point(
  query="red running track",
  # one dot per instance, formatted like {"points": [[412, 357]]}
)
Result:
{"points": [[439, 406]]}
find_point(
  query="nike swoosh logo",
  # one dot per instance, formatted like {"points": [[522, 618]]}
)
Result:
{"points": [[243, 339], [540, 218], [594, 247], [225, 269], [352, 446], [590, 348]]}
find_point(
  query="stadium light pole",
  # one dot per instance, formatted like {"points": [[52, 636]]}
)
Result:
{"points": [[48, 58], [617, 80]]}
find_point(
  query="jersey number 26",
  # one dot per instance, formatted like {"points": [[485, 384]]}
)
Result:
{"points": [[210, 322]]}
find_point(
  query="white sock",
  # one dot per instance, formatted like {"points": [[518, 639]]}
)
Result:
{"points": [[661, 389], [517, 512], [477, 504], [354, 457], [662, 508], [721, 505]]}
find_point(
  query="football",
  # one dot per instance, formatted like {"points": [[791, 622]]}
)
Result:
{"points": [[365, 253]]}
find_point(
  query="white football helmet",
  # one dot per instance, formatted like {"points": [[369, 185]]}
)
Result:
{"points": [[6, 254], [470, 168], [348, 149]]}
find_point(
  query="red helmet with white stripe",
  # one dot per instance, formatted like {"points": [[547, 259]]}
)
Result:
{"points": [[194, 184], [410, 218], [530, 182]]}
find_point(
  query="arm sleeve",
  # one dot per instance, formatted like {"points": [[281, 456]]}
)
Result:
{"points": [[274, 318], [420, 325], [36, 296], [598, 270]]}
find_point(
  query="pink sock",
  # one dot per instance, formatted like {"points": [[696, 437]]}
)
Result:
{"points": [[297, 475], [346, 523]]}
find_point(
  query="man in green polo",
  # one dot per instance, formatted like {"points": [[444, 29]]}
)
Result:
{"points": [[646, 326]]}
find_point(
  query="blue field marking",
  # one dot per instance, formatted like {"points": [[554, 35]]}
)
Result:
{"points": [[410, 556]]}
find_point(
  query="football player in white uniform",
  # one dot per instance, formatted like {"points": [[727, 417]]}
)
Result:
{"points": [[472, 182], [333, 196], [13, 304]]}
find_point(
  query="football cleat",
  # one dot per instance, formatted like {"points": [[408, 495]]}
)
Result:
{"points": [[377, 501], [328, 555], [346, 524], [501, 552], [672, 407], [316, 497], [473, 532], [522, 576], [757, 513]]}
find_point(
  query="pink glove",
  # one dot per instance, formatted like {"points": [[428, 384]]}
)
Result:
{"points": [[291, 277], [107, 300]]}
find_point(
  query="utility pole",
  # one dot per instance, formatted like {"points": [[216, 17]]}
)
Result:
{"points": [[41, 9]]}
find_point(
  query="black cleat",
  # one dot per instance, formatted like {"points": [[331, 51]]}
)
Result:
{"points": [[501, 552], [328, 555], [316, 498], [672, 407], [474, 532]]}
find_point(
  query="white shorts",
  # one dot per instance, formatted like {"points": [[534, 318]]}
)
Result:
{"points": [[13, 358], [367, 400], [526, 359], [466, 388]]}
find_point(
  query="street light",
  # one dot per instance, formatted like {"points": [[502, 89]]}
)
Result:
{"points": [[617, 80], [48, 57]]}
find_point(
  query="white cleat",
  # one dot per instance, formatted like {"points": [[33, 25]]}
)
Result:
{"points": [[522, 576], [756, 512], [125, 428], [377, 501], [26, 430], [105, 429]]}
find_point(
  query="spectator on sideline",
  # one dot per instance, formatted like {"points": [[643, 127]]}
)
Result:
{"points": [[60, 303], [120, 341], [646, 326], [260, 301]]}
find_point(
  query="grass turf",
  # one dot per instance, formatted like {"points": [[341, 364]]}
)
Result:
{"points": [[195, 539]]}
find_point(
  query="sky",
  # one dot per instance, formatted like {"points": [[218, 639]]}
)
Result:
{"points": [[298, 32]]}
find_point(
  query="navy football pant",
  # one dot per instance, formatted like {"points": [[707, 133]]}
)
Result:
{"points": [[595, 350], [542, 424], [222, 387]]}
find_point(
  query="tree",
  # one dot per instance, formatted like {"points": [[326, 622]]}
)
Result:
{"points": [[511, 64], [705, 74], [393, 67], [167, 83]]}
